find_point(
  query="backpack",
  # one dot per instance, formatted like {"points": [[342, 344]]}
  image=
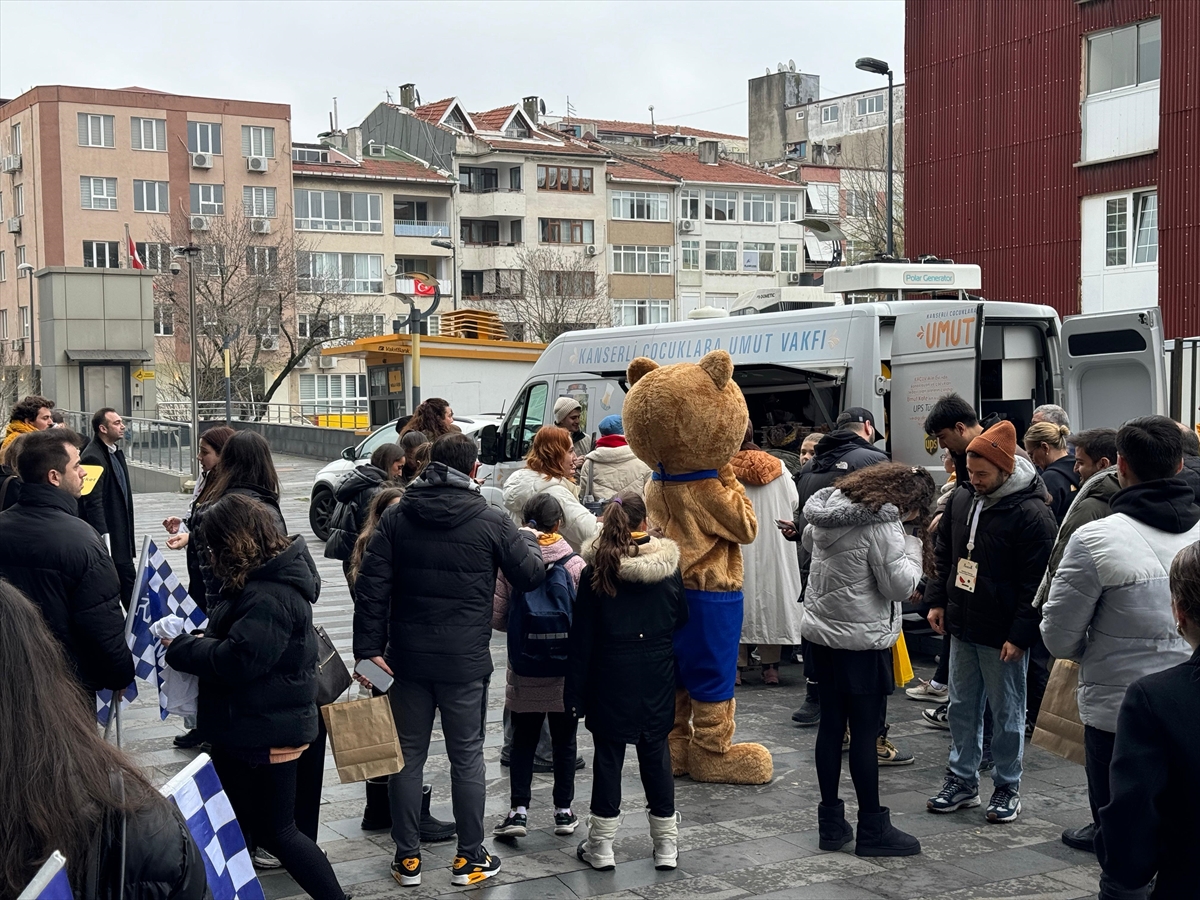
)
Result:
{"points": [[539, 624], [10, 487], [342, 533]]}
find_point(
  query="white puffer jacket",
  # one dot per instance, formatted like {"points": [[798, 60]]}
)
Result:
{"points": [[607, 471], [579, 526], [863, 567]]}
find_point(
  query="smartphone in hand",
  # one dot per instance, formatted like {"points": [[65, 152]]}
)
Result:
{"points": [[379, 679]]}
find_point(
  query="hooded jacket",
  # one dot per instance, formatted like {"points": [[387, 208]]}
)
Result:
{"points": [[612, 468], [424, 591], [579, 524], [257, 658], [1062, 483], [837, 454], [356, 490], [1090, 503], [1012, 544], [1109, 607], [864, 566]]}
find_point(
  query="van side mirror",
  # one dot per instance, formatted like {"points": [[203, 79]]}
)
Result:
{"points": [[489, 445], [348, 454]]}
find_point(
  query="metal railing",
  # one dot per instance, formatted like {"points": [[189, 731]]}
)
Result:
{"points": [[414, 228], [1183, 369], [349, 414], [161, 443]]}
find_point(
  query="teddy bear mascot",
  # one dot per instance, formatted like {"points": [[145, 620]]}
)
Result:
{"points": [[686, 421]]}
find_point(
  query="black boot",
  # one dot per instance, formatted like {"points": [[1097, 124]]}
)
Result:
{"points": [[835, 831], [877, 837], [810, 712], [378, 814], [433, 830]]}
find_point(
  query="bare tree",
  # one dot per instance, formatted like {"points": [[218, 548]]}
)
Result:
{"points": [[562, 291], [10, 380], [864, 184]]}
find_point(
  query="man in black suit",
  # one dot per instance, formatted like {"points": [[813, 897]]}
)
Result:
{"points": [[109, 506]]}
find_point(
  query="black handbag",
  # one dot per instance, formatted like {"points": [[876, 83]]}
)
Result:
{"points": [[332, 675]]}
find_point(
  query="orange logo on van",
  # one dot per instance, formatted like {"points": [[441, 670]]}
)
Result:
{"points": [[956, 332]]}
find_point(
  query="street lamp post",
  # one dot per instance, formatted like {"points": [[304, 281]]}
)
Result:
{"points": [[449, 245], [191, 251], [33, 386], [879, 67]]}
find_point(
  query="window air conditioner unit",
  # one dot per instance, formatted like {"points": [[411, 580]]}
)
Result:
{"points": [[202, 160], [793, 278], [269, 342], [260, 226], [18, 345], [686, 226], [256, 163], [11, 163], [199, 223], [14, 225], [327, 362], [304, 362], [590, 249]]}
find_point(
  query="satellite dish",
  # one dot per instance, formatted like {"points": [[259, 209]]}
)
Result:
{"points": [[768, 70], [417, 95], [780, 68], [542, 107], [824, 231], [390, 269], [791, 65]]}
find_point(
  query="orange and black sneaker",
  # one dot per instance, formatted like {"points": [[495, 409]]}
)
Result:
{"points": [[407, 870], [466, 872]]}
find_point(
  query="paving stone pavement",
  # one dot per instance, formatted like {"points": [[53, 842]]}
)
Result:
{"points": [[735, 842]]}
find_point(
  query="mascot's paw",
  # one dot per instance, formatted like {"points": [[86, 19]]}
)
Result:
{"points": [[713, 757], [680, 739], [680, 750]]}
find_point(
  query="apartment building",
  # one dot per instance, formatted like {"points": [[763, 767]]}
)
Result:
{"points": [[642, 252], [648, 135]]}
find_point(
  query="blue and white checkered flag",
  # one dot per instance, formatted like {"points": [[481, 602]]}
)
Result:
{"points": [[50, 882], [198, 793]]}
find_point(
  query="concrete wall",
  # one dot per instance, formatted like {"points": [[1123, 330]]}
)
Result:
{"points": [[298, 440]]}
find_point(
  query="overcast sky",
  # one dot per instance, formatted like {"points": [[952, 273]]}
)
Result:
{"points": [[691, 60]]}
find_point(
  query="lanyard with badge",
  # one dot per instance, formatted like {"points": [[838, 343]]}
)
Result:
{"points": [[968, 569]]}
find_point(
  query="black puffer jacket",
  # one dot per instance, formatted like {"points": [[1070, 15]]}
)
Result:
{"points": [[425, 588], [1191, 474], [838, 454], [1012, 545], [212, 584], [257, 660], [1062, 483], [59, 562], [356, 490]]}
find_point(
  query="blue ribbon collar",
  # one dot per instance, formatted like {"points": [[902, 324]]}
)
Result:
{"points": [[662, 475]]}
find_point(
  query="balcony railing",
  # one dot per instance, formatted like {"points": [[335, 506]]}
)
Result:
{"points": [[161, 443], [490, 189], [469, 243], [413, 228], [327, 413]]}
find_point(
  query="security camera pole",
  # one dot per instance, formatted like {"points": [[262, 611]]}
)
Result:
{"points": [[415, 318], [191, 251]]}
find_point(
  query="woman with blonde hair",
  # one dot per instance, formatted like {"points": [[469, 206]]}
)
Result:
{"points": [[549, 466], [1046, 444]]}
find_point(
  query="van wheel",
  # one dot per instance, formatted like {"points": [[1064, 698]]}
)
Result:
{"points": [[319, 511]]}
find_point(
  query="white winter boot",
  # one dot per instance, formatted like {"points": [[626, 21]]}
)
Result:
{"points": [[665, 834], [597, 850]]}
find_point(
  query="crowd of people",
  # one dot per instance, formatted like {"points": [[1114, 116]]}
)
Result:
{"points": [[1051, 545]]}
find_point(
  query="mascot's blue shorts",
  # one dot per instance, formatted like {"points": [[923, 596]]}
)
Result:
{"points": [[706, 648]]}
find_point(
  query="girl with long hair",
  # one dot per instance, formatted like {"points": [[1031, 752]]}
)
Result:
{"points": [[433, 417], [549, 468], [870, 543], [622, 673], [529, 700], [354, 494], [257, 667], [416, 455], [386, 497], [63, 787]]}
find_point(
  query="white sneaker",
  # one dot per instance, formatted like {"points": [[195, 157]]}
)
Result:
{"points": [[926, 691]]}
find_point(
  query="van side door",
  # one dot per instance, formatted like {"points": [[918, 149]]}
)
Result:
{"points": [[1113, 367]]}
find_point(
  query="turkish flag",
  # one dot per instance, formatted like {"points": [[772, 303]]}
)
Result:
{"points": [[135, 261], [422, 289]]}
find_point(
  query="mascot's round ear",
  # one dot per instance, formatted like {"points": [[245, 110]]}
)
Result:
{"points": [[718, 365], [639, 367]]}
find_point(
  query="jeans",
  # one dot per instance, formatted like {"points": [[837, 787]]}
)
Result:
{"points": [[976, 674], [654, 765], [527, 727], [1098, 750], [460, 705], [263, 798], [862, 712]]}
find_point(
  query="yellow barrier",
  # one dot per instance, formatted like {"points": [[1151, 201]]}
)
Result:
{"points": [[342, 420]]}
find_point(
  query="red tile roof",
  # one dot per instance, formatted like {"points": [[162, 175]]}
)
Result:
{"points": [[493, 119], [645, 128], [340, 166], [620, 170], [687, 167], [433, 112]]}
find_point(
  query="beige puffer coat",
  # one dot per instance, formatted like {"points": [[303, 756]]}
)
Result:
{"points": [[607, 471]]}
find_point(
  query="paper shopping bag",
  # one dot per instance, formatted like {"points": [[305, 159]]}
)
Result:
{"points": [[1059, 728], [363, 735], [902, 670]]}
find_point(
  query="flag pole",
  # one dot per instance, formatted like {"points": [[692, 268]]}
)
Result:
{"points": [[128, 258]]}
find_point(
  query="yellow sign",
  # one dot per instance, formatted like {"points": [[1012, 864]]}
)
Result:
{"points": [[143, 374], [91, 475], [931, 444]]}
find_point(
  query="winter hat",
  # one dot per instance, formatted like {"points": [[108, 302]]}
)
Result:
{"points": [[611, 425], [998, 445], [563, 407]]}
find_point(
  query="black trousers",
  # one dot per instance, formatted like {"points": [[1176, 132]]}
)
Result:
{"points": [[310, 778], [654, 765], [527, 730], [863, 713], [263, 798], [1036, 677], [1098, 750]]}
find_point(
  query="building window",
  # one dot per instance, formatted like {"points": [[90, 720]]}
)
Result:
{"points": [[787, 258], [265, 322], [564, 178], [758, 207], [212, 260], [1, 205], [3, 266], [641, 312], [154, 257], [376, 150], [208, 199], [822, 199], [259, 202], [258, 141], [690, 255], [720, 206], [567, 284], [97, 193], [23, 313], [338, 211], [14, 140], [720, 256], [631, 260], [148, 134], [95, 131], [1145, 207], [262, 261], [204, 137], [308, 155], [514, 178], [332, 393], [1117, 231], [641, 205], [150, 196], [476, 180], [866, 106], [4, 324], [479, 232], [565, 231], [829, 113], [1125, 57], [789, 208], [757, 257], [18, 199], [352, 273], [102, 254], [164, 319], [859, 204], [21, 261], [689, 204]]}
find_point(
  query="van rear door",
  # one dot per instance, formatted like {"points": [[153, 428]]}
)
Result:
{"points": [[934, 353], [1113, 367]]}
